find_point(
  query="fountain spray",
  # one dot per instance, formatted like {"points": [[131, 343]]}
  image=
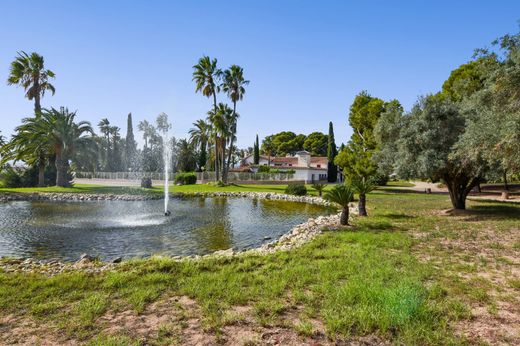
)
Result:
{"points": [[164, 127]]}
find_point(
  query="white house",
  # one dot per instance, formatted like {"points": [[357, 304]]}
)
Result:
{"points": [[307, 168]]}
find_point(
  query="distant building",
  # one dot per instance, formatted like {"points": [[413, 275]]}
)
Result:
{"points": [[306, 167]]}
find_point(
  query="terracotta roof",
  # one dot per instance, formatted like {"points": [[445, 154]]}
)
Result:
{"points": [[319, 160], [285, 160]]}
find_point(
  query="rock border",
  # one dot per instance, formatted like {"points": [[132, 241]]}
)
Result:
{"points": [[295, 237]]}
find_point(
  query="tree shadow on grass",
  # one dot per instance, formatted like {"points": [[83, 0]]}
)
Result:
{"points": [[368, 225], [494, 212], [399, 216]]}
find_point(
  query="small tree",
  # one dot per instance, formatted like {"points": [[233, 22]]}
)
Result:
{"points": [[363, 186], [332, 151], [319, 187], [256, 152], [342, 195]]}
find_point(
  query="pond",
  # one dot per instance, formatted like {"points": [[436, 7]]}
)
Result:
{"points": [[110, 229]]}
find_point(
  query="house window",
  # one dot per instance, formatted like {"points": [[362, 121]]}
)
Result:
{"points": [[319, 166], [290, 165]]}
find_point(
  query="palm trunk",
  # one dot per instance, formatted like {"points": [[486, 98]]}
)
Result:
{"points": [[61, 169], [224, 175], [41, 171], [362, 205], [343, 220], [217, 154]]}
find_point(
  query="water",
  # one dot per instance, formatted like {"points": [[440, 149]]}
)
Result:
{"points": [[109, 229]]}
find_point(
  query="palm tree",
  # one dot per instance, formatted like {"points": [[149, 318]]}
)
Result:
{"points": [[319, 187], [54, 133], [144, 126], [199, 135], [28, 145], [29, 72], [206, 76], [66, 137], [233, 85], [362, 186], [221, 126], [104, 127], [342, 195]]}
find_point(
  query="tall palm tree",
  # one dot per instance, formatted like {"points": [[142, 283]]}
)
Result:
{"points": [[28, 71], [144, 126], [199, 135], [363, 186], [206, 76], [342, 195], [104, 128], [233, 84], [221, 123]]}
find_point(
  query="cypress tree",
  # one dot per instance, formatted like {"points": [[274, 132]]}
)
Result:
{"points": [[130, 144], [256, 152], [332, 151]]}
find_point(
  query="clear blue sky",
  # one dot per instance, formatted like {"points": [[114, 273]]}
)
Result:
{"points": [[306, 59]]}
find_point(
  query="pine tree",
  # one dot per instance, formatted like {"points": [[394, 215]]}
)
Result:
{"points": [[332, 151], [256, 152], [130, 144]]}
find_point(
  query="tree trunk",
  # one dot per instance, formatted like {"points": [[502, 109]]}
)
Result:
{"points": [[459, 188], [41, 171], [217, 158], [362, 205], [61, 170], [506, 186], [37, 106], [223, 168], [343, 220]]}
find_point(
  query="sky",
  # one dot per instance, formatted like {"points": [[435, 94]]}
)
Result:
{"points": [[306, 60]]}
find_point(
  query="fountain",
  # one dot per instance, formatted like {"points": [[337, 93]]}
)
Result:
{"points": [[164, 127]]}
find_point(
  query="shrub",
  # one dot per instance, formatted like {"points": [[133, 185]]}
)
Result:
{"points": [[264, 169], [380, 179], [186, 178], [297, 189], [146, 183], [11, 178]]}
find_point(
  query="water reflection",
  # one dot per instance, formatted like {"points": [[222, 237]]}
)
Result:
{"points": [[64, 230]]}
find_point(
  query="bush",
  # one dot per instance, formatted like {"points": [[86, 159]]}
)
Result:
{"points": [[146, 183], [187, 178], [297, 189], [380, 179], [264, 169], [11, 178]]}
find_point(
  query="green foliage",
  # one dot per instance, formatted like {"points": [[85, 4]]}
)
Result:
{"points": [[297, 189], [256, 152], [316, 144], [264, 169], [341, 194], [356, 159], [186, 178], [363, 185], [464, 81], [10, 177], [319, 187], [332, 152]]}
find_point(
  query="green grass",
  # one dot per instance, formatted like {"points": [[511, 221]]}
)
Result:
{"points": [[362, 282]]}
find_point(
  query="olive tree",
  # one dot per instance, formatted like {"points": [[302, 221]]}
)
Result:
{"points": [[427, 148]]}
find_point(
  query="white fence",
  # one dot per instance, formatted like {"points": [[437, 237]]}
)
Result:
{"points": [[201, 176]]}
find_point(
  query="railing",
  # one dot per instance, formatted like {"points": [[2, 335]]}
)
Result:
{"points": [[201, 176]]}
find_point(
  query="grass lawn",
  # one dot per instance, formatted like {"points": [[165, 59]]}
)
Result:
{"points": [[404, 275]]}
